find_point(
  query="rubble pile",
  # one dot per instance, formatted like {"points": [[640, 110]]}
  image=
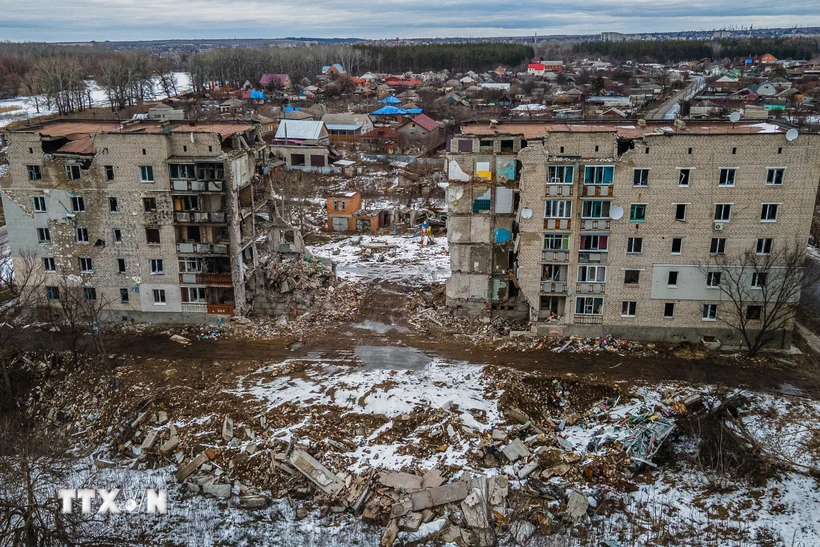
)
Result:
{"points": [[576, 344]]}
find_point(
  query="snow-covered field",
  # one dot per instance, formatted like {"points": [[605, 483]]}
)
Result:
{"points": [[404, 260], [24, 107]]}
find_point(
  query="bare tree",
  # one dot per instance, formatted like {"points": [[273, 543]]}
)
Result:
{"points": [[20, 291], [761, 289], [80, 311]]}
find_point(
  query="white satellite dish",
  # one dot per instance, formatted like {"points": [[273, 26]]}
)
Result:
{"points": [[791, 134], [734, 117], [526, 213], [616, 212]]}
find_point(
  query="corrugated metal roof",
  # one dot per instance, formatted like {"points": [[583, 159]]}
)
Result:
{"points": [[300, 129], [343, 126]]}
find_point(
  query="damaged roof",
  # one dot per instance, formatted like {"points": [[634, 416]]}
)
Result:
{"points": [[621, 128]]}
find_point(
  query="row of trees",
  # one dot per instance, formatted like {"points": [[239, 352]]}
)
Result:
{"points": [[670, 51]]}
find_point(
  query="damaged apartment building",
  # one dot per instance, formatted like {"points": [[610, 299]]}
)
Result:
{"points": [[604, 228], [164, 221]]}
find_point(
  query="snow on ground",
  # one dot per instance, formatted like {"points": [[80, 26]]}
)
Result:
{"points": [[404, 262], [24, 107]]}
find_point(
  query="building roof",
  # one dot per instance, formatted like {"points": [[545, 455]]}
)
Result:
{"points": [[64, 128], [621, 128], [300, 130], [389, 111], [343, 126], [78, 144], [351, 121], [381, 133], [337, 66], [425, 122]]}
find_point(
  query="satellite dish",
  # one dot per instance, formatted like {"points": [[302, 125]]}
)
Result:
{"points": [[526, 213], [791, 134], [734, 117], [616, 212]]}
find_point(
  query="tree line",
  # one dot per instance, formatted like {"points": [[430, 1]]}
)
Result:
{"points": [[669, 51], [455, 57]]}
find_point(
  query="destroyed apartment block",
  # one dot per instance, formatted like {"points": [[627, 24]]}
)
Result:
{"points": [[164, 221], [592, 229]]}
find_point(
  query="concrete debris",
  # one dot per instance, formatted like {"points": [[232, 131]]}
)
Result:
{"points": [[227, 428], [190, 467], [162, 417], [410, 522], [321, 476], [217, 490], [103, 464], [170, 445], [522, 531], [516, 450], [180, 340], [577, 505], [424, 531], [403, 482], [476, 512], [390, 534], [253, 502], [432, 479]]}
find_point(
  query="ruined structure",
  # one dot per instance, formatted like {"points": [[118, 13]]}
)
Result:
{"points": [[611, 224], [166, 221]]}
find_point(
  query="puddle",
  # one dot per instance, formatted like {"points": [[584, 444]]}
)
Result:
{"points": [[379, 327], [392, 357]]}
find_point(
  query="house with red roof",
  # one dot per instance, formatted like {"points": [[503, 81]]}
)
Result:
{"points": [[421, 129]]}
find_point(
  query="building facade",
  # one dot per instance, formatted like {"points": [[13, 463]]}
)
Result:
{"points": [[164, 221], [614, 226]]}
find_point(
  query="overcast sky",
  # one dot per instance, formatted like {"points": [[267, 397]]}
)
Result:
{"points": [[84, 20]]}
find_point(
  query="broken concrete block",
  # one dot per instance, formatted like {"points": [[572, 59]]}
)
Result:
{"points": [[253, 502], [410, 522], [180, 340], [404, 482], [476, 512], [139, 419], [450, 431], [527, 470], [321, 476], [516, 415], [251, 448], [516, 450], [451, 535], [169, 445], [564, 444], [499, 435], [227, 428], [499, 488], [249, 434], [577, 505], [162, 417], [190, 467], [431, 497], [149, 441], [432, 479], [390, 533], [103, 464], [521, 531], [469, 431], [217, 490], [425, 531], [401, 507]]}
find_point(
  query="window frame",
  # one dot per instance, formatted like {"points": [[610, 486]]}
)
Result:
{"points": [[70, 171], [772, 181], [35, 172], [39, 204], [565, 242], [125, 297], [563, 168], [81, 260], [122, 265], [109, 173], [160, 298], [43, 235], [669, 280], [147, 171], [723, 208], [565, 204], [722, 244], [155, 266], [688, 171], [77, 204], [629, 305], [709, 312], [628, 271], [587, 269], [677, 208], [113, 204], [52, 292], [604, 204], [593, 169], [680, 246], [640, 177], [49, 264], [713, 279], [759, 279], [90, 294], [764, 240], [117, 235], [630, 242], [667, 315], [632, 211], [727, 170], [591, 305], [766, 208]]}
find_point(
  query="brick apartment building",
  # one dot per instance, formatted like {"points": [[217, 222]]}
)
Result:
{"points": [[164, 220], [605, 228]]}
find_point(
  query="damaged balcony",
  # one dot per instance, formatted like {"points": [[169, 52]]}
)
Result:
{"points": [[197, 209], [205, 271], [202, 239], [212, 300]]}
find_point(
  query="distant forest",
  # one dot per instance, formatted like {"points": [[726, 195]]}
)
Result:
{"points": [[667, 51], [456, 57]]}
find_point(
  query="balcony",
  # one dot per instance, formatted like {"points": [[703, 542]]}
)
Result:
{"points": [[554, 256], [197, 185], [220, 309], [199, 217], [194, 307], [591, 288], [206, 278], [202, 248], [596, 224], [559, 190], [592, 257], [553, 287], [595, 190], [557, 224], [588, 319]]}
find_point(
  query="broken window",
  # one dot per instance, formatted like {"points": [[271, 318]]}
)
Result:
{"points": [[109, 173], [727, 176], [113, 205], [82, 235], [589, 305], [89, 293], [72, 172], [53, 293], [684, 176], [146, 173], [631, 277], [77, 204], [669, 310], [152, 236], [186, 203], [48, 264], [680, 211], [628, 308], [86, 265], [753, 313], [39, 204], [121, 265], [149, 205], [117, 235], [591, 274], [297, 159], [190, 265], [552, 272], [210, 171], [156, 266], [317, 160], [561, 208], [124, 296], [556, 242], [560, 174], [774, 176], [34, 172], [595, 209], [182, 170], [599, 174], [640, 177], [194, 294], [482, 202], [594, 243]]}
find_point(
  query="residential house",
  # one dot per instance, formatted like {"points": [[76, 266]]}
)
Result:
{"points": [[302, 144], [347, 127], [422, 130], [276, 81]]}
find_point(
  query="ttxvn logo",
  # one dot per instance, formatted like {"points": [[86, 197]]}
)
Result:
{"points": [[148, 501]]}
